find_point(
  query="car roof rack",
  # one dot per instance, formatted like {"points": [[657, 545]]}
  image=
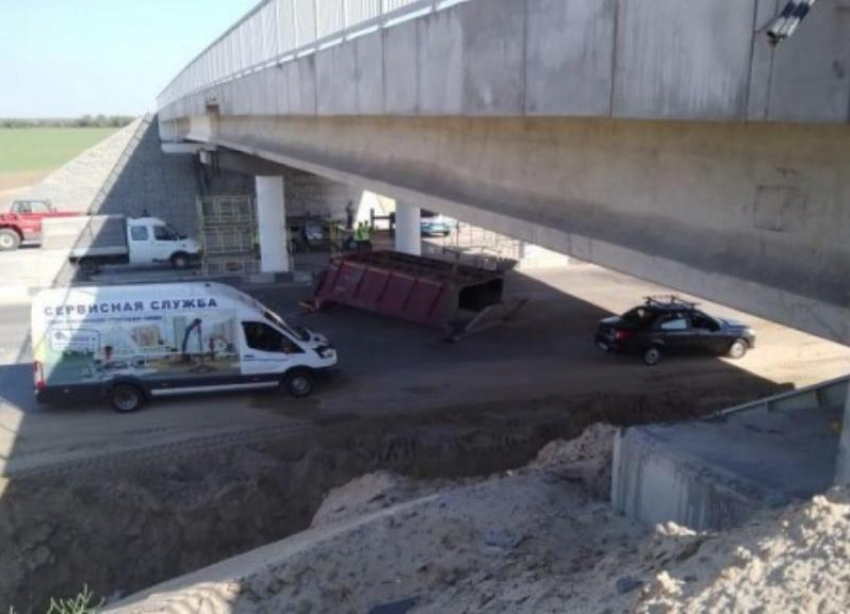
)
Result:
{"points": [[668, 301]]}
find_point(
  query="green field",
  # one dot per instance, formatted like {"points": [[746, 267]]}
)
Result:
{"points": [[29, 151]]}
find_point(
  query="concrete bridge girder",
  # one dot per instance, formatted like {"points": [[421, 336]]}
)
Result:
{"points": [[755, 216]]}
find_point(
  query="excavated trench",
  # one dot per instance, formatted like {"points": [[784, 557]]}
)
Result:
{"points": [[121, 525]]}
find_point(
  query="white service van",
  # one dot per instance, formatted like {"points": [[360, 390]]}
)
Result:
{"points": [[131, 343]]}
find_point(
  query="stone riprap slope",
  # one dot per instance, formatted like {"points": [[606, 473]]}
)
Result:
{"points": [[129, 174], [74, 186]]}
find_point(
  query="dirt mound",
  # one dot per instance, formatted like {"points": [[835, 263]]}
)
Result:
{"points": [[364, 495], [507, 544], [120, 535], [146, 516], [793, 561], [586, 458], [529, 541]]}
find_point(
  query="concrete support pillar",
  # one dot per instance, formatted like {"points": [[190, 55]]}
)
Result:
{"points": [[408, 236], [842, 463], [271, 219]]}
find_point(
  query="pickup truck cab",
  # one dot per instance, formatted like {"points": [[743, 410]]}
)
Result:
{"points": [[150, 240], [21, 223], [115, 239]]}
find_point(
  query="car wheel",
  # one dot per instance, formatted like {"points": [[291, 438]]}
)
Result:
{"points": [[299, 384], [180, 261], [9, 240], [652, 356], [126, 398], [738, 349], [87, 265]]}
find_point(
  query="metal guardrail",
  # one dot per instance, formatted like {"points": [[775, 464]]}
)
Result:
{"points": [[831, 393], [278, 31]]}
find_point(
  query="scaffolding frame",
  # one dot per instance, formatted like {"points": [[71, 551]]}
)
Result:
{"points": [[228, 233]]}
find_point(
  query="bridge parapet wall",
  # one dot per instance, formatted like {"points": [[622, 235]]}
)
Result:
{"points": [[636, 59]]}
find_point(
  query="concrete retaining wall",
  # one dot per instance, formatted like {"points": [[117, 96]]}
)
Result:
{"points": [[715, 473], [653, 484]]}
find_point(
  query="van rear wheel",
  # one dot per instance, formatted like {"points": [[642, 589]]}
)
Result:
{"points": [[299, 383], [126, 398]]}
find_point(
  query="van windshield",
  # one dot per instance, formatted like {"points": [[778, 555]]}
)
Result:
{"points": [[299, 332]]}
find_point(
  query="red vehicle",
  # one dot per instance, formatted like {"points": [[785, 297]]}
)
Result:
{"points": [[22, 222]]}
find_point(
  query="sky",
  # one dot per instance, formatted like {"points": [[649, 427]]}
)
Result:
{"points": [[66, 58]]}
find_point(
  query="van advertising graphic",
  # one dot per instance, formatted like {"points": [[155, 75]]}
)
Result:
{"points": [[73, 340], [93, 346]]}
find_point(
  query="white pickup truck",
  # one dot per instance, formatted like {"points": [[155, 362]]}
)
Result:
{"points": [[115, 239]]}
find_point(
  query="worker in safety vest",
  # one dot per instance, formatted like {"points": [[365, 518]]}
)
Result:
{"points": [[363, 236]]}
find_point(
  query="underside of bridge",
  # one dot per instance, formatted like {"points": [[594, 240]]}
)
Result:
{"points": [[753, 215], [668, 140]]}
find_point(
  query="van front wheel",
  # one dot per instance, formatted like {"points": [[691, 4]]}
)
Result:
{"points": [[299, 383], [126, 398]]}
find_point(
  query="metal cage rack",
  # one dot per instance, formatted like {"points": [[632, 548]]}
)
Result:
{"points": [[227, 230]]}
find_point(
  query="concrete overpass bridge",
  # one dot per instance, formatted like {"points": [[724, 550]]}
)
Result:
{"points": [[665, 139]]}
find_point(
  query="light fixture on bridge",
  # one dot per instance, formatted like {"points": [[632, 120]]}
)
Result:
{"points": [[784, 26]]}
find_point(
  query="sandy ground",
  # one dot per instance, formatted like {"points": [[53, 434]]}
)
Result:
{"points": [[539, 539]]}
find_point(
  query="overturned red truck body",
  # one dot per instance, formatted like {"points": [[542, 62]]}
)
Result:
{"points": [[450, 297]]}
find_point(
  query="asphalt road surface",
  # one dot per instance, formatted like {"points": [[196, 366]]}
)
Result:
{"points": [[389, 367]]}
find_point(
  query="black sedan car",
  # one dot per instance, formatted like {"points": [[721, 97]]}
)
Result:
{"points": [[669, 325]]}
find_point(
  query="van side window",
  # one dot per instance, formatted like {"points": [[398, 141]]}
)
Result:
{"points": [[260, 336], [139, 233]]}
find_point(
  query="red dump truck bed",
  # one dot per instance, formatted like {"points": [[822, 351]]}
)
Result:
{"points": [[423, 290]]}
